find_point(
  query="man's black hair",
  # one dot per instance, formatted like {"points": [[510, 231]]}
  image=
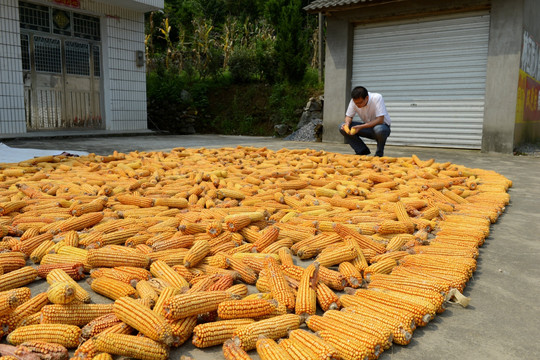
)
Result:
{"points": [[359, 92]]}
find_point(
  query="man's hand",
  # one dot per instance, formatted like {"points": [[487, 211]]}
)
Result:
{"points": [[346, 128], [354, 130]]}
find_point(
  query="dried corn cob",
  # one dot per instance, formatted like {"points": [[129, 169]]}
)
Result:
{"points": [[73, 269], [268, 349], [112, 289], [10, 299], [9, 322], [273, 328], [196, 253], [297, 350], [131, 346], [306, 298], [106, 257], [61, 292], [17, 278], [43, 350], [279, 286], [160, 269], [143, 319], [215, 333], [237, 309], [233, 351], [321, 348], [66, 335], [184, 305], [98, 325], [78, 314]]}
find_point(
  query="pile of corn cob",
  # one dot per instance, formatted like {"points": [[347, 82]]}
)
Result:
{"points": [[348, 254]]}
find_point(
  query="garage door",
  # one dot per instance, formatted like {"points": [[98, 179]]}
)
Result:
{"points": [[432, 75]]}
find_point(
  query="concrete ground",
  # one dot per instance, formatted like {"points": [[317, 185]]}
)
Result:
{"points": [[502, 321]]}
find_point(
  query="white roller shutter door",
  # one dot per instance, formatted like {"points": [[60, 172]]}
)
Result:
{"points": [[432, 76]]}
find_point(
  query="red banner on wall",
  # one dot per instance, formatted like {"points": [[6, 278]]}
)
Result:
{"points": [[71, 3], [528, 105]]}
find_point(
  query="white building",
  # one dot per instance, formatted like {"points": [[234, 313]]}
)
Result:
{"points": [[73, 64]]}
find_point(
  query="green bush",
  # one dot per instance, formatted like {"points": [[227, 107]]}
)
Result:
{"points": [[243, 65]]}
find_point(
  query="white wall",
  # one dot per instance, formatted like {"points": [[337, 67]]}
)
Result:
{"points": [[12, 117], [124, 84]]}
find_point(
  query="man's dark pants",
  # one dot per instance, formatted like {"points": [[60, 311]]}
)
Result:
{"points": [[378, 133]]}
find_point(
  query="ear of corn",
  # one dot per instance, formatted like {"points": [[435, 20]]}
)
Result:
{"points": [[268, 349], [17, 278], [321, 348], [233, 351], [273, 328], [66, 335], [306, 298], [215, 333], [78, 314], [184, 305], [131, 346], [143, 319], [61, 292]]}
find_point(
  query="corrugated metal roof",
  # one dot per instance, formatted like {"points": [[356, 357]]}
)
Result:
{"points": [[319, 5]]}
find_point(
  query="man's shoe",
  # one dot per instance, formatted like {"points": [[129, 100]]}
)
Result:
{"points": [[365, 152]]}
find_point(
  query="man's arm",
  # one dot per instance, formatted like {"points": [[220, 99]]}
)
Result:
{"points": [[377, 121]]}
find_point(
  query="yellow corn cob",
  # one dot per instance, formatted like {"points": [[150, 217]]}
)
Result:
{"points": [[336, 256], [139, 201], [160, 269], [297, 350], [230, 193], [61, 292], [327, 299], [103, 356], [112, 273], [131, 346], [196, 253], [306, 298], [78, 314], [79, 223], [321, 348], [10, 299], [143, 319], [214, 228], [66, 335], [37, 254], [422, 314], [182, 329], [105, 257], [98, 325], [233, 351], [237, 222], [268, 236], [246, 273], [184, 305], [176, 202], [9, 322], [384, 266], [237, 309], [279, 287], [12, 206], [59, 274], [29, 245], [93, 206], [273, 328], [17, 278], [268, 349], [215, 333], [165, 294], [12, 260], [351, 274], [285, 256], [239, 290], [146, 291], [348, 349], [366, 330], [363, 241], [112, 288]]}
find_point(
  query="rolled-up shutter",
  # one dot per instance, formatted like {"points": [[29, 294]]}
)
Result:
{"points": [[432, 76]]}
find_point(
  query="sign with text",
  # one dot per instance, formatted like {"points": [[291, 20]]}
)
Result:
{"points": [[70, 3], [528, 102]]}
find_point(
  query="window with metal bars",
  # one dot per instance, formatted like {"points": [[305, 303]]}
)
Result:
{"points": [[34, 17], [86, 27], [47, 54], [25, 51], [77, 58]]}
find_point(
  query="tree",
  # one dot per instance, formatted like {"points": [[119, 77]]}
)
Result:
{"points": [[292, 46]]}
